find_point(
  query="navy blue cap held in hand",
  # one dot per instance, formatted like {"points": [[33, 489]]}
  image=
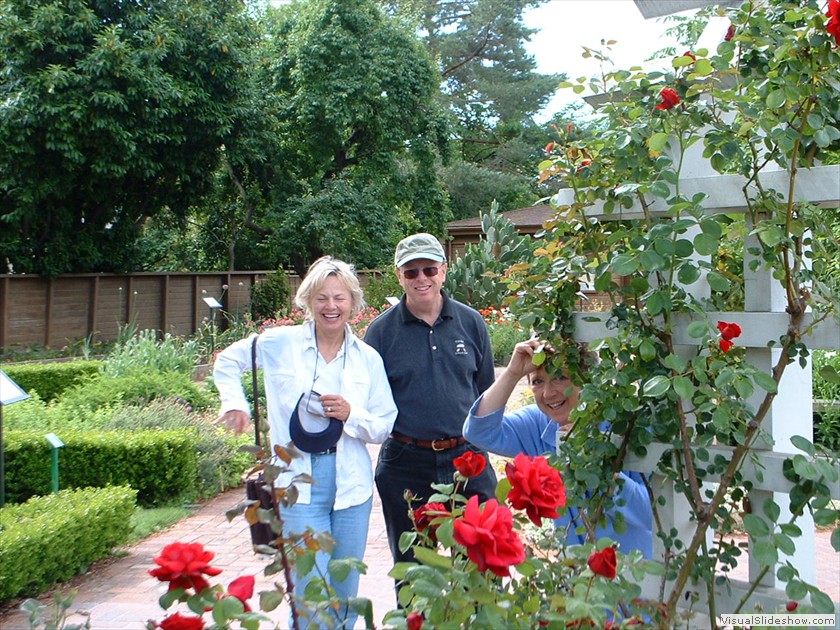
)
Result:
{"points": [[313, 442]]}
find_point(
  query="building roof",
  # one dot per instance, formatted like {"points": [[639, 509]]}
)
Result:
{"points": [[531, 217], [659, 8]]}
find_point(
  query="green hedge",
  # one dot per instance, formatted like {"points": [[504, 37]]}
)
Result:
{"points": [[50, 380], [52, 538], [159, 465]]}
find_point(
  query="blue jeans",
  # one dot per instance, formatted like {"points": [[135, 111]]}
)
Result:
{"points": [[349, 528], [404, 467]]}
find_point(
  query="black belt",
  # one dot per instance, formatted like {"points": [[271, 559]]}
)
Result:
{"points": [[441, 444], [329, 451]]}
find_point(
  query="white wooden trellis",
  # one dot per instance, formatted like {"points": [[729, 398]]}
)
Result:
{"points": [[763, 320]]}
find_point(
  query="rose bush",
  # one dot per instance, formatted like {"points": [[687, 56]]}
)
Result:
{"points": [[670, 380], [490, 566]]}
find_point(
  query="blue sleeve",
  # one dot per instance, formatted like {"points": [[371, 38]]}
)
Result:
{"points": [[633, 502], [508, 434]]}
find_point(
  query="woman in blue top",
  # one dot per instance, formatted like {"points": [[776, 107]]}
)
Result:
{"points": [[533, 430]]}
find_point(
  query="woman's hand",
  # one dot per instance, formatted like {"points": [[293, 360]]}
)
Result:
{"points": [[522, 360], [335, 406], [234, 420]]}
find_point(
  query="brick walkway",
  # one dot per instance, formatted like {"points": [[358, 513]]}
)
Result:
{"points": [[120, 594]]}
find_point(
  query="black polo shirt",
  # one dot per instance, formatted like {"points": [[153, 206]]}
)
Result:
{"points": [[436, 372]]}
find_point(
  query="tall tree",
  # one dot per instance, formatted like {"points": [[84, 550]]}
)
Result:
{"points": [[351, 99], [490, 86], [111, 112]]}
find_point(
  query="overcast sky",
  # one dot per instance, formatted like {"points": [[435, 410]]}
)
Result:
{"points": [[568, 25]]}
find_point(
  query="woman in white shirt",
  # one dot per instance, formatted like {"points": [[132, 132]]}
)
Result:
{"points": [[327, 392]]}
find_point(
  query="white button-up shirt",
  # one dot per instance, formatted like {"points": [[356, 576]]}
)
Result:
{"points": [[287, 356]]}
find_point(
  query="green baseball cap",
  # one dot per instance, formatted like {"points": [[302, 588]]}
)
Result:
{"points": [[418, 246]]}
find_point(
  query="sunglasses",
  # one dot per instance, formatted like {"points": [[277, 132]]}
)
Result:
{"points": [[411, 274]]}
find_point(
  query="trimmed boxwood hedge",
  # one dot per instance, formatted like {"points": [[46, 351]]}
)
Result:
{"points": [[50, 380], [159, 465], [52, 538]]}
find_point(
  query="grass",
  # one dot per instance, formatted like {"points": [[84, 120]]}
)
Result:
{"points": [[145, 522]]}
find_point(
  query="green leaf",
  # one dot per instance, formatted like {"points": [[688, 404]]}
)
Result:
{"points": [[624, 264], [675, 363], [772, 510], [765, 553], [431, 558], [697, 329], [821, 602], [711, 227], [803, 445], [658, 141], [684, 387], [784, 544], [835, 539], [656, 386], [705, 245], [775, 99], [658, 302], [756, 526], [765, 382], [688, 273], [826, 517], [796, 590], [830, 374], [269, 600], [652, 261], [703, 67], [718, 282]]}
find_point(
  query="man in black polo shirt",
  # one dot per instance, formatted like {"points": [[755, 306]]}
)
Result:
{"points": [[438, 359]]}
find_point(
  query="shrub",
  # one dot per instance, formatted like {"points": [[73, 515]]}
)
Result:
{"points": [[826, 365], [52, 538], [50, 380], [160, 465], [138, 387], [270, 295], [382, 286], [145, 351], [220, 460]]}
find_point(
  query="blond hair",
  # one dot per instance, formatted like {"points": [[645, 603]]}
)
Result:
{"points": [[317, 275]]}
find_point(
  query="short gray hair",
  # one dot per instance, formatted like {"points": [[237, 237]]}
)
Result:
{"points": [[317, 275]]}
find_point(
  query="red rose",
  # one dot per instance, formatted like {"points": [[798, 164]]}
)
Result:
{"points": [[725, 345], [669, 99], [425, 514], [791, 606], [182, 565], [414, 620], [181, 622], [603, 562], [470, 464], [536, 487], [833, 24], [729, 331], [489, 537], [242, 588], [730, 33], [549, 148]]}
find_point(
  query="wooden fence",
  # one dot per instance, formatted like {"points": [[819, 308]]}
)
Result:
{"points": [[54, 312]]}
